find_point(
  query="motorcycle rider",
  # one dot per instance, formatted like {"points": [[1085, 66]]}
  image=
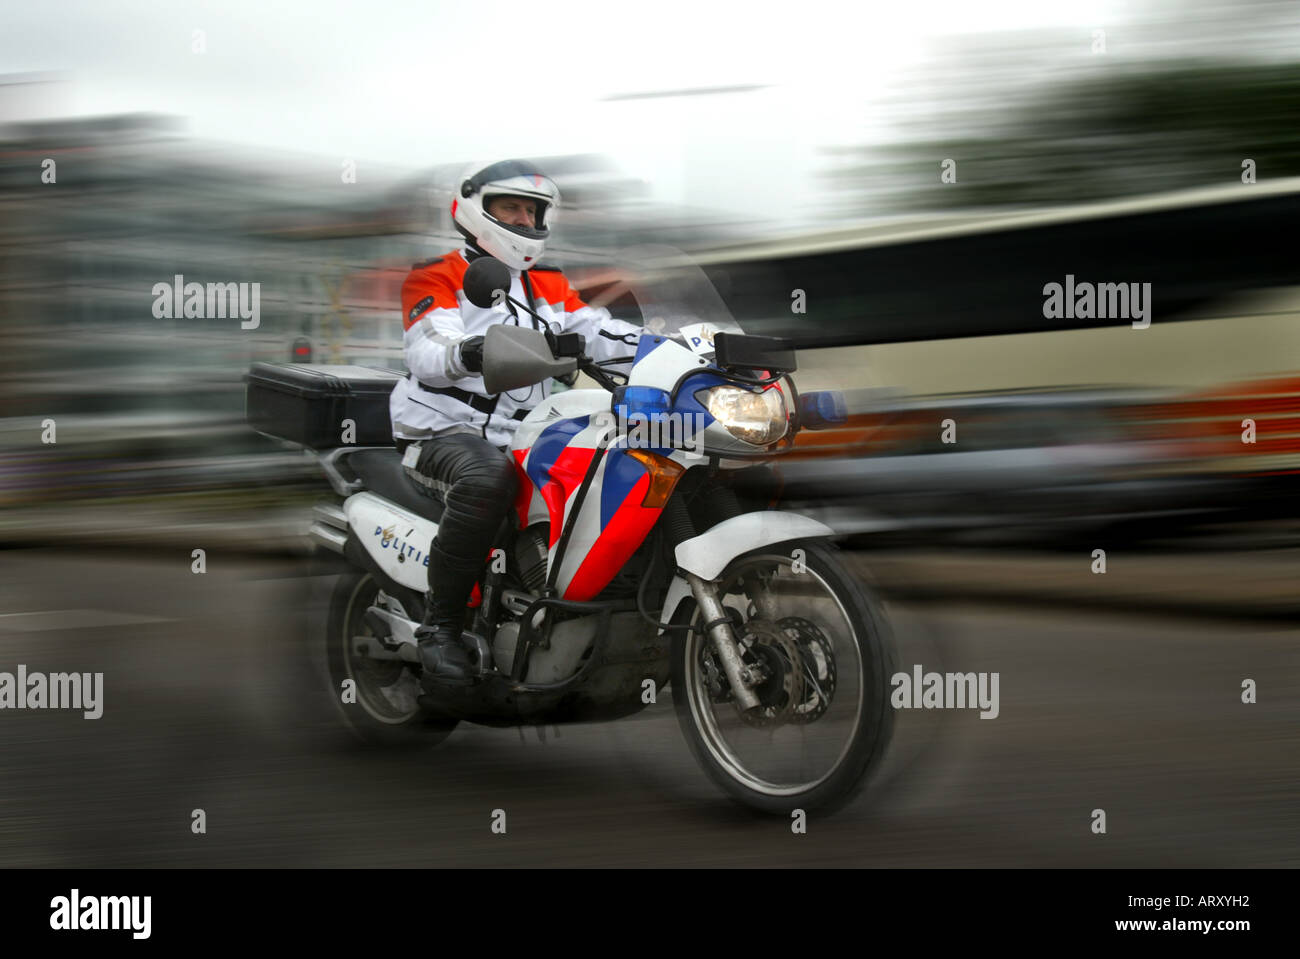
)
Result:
{"points": [[453, 435]]}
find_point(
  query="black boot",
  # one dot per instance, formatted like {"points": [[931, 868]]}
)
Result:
{"points": [[443, 655]]}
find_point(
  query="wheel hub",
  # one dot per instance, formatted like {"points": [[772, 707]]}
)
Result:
{"points": [[389, 688], [778, 658]]}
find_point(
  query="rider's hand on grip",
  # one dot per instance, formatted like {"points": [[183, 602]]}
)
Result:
{"points": [[471, 354]]}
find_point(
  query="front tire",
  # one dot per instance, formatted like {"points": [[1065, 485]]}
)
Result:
{"points": [[826, 646], [377, 699]]}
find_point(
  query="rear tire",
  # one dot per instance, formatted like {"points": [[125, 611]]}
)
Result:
{"points": [[383, 710], [854, 669]]}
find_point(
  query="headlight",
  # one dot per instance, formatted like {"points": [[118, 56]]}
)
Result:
{"points": [[757, 418]]}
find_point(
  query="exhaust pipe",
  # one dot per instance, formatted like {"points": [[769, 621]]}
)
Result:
{"points": [[328, 536], [330, 515]]}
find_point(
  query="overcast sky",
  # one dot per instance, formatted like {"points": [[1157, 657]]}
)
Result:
{"points": [[413, 84]]}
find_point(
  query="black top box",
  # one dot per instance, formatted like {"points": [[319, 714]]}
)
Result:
{"points": [[308, 404]]}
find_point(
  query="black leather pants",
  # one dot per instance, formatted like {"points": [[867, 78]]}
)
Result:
{"points": [[479, 487]]}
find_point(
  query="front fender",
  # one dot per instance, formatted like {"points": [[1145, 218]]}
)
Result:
{"points": [[708, 554]]}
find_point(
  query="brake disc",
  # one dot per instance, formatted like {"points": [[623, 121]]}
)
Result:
{"points": [[817, 657]]}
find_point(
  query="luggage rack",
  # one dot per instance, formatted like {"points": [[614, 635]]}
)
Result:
{"points": [[329, 464]]}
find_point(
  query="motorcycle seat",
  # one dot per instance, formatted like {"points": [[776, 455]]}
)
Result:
{"points": [[382, 473]]}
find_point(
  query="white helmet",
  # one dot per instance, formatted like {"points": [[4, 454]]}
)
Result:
{"points": [[519, 247]]}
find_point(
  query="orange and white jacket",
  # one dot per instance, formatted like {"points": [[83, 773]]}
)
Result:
{"points": [[437, 318]]}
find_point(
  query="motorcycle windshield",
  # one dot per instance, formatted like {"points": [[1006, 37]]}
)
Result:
{"points": [[676, 297]]}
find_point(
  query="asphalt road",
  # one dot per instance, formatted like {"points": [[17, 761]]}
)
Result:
{"points": [[204, 708]]}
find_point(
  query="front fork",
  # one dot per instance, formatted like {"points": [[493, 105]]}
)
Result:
{"points": [[723, 642]]}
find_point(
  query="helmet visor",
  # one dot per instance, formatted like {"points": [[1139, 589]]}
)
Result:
{"points": [[541, 228]]}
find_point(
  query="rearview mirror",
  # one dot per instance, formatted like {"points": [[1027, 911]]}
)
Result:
{"points": [[484, 278]]}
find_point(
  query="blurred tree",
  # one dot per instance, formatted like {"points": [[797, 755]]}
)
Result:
{"points": [[1130, 129]]}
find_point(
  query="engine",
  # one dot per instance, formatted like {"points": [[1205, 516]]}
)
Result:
{"points": [[531, 550]]}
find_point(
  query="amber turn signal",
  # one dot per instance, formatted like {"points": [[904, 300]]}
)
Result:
{"points": [[664, 474]]}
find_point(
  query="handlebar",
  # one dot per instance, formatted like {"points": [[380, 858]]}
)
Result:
{"points": [[589, 366]]}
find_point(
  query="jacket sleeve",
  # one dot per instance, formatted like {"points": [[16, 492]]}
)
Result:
{"points": [[607, 338], [434, 330]]}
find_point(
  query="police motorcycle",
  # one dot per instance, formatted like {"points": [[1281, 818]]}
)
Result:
{"points": [[640, 553]]}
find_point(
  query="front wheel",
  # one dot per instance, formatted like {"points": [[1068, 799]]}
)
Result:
{"points": [[817, 638], [377, 698]]}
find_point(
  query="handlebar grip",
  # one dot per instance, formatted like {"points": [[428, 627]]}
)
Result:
{"points": [[570, 344]]}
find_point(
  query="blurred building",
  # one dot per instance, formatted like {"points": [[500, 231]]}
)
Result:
{"points": [[95, 212]]}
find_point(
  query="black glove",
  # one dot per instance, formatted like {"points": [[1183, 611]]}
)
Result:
{"points": [[471, 354]]}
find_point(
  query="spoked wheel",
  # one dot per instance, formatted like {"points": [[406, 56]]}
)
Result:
{"points": [[821, 646], [377, 697]]}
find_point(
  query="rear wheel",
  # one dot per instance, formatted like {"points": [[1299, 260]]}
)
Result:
{"points": [[819, 640], [377, 698]]}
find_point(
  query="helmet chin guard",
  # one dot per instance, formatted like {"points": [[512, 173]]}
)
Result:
{"points": [[519, 247]]}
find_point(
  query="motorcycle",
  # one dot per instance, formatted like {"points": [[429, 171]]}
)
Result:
{"points": [[641, 553]]}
